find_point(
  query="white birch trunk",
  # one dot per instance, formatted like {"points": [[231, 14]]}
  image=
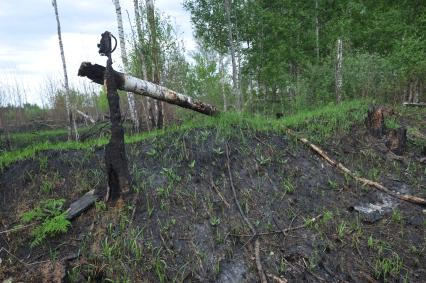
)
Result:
{"points": [[148, 111], [416, 91], [227, 7], [159, 121], [86, 117], [239, 74], [130, 97], [222, 83], [339, 63], [71, 124], [317, 31]]}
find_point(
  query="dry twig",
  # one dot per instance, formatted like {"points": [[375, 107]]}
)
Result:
{"points": [[17, 228], [277, 279], [257, 243], [218, 192], [341, 167]]}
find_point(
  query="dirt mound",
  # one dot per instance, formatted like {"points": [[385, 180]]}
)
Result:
{"points": [[182, 223]]}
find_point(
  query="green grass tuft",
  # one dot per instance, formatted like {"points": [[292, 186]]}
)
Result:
{"points": [[53, 220]]}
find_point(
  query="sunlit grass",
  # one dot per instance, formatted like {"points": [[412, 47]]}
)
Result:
{"points": [[319, 124]]}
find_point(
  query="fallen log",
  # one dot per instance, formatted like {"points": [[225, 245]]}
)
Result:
{"points": [[141, 87], [80, 205], [341, 167], [418, 104], [85, 116]]}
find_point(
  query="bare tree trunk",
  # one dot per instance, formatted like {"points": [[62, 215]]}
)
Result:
{"points": [[416, 91], [130, 96], [339, 63], [238, 56], [410, 91], [86, 117], [149, 109], [222, 83], [71, 124], [237, 91], [317, 31], [155, 53]]}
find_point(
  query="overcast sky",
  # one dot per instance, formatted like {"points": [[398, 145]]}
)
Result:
{"points": [[29, 48]]}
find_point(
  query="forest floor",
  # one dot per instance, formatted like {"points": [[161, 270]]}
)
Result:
{"points": [[181, 222]]}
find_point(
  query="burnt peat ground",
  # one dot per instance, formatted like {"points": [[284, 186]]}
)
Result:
{"points": [[181, 222]]}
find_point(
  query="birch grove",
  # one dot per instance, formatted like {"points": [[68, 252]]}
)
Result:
{"points": [[130, 97], [232, 49], [142, 61]]}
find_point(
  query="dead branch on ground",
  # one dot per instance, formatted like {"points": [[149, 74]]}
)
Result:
{"points": [[259, 267], [341, 167], [418, 104]]}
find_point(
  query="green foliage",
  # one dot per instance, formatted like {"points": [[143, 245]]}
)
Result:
{"points": [[167, 52], [292, 65], [214, 221], [287, 186], [391, 123], [53, 220], [46, 186], [205, 80], [100, 206], [103, 100], [328, 215], [387, 266], [50, 227]]}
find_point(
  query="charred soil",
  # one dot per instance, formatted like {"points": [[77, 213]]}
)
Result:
{"points": [[181, 221]]}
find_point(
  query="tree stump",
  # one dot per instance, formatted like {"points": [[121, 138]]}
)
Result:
{"points": [[115, 151], [375, 121], [396, 140]]}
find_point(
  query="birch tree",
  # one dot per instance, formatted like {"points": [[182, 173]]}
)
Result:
{"points": [[317, 31], [155, 54], [142, 59], [130, 96], [232, 49], [222, 83], [71, 124], [339, 63]]}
